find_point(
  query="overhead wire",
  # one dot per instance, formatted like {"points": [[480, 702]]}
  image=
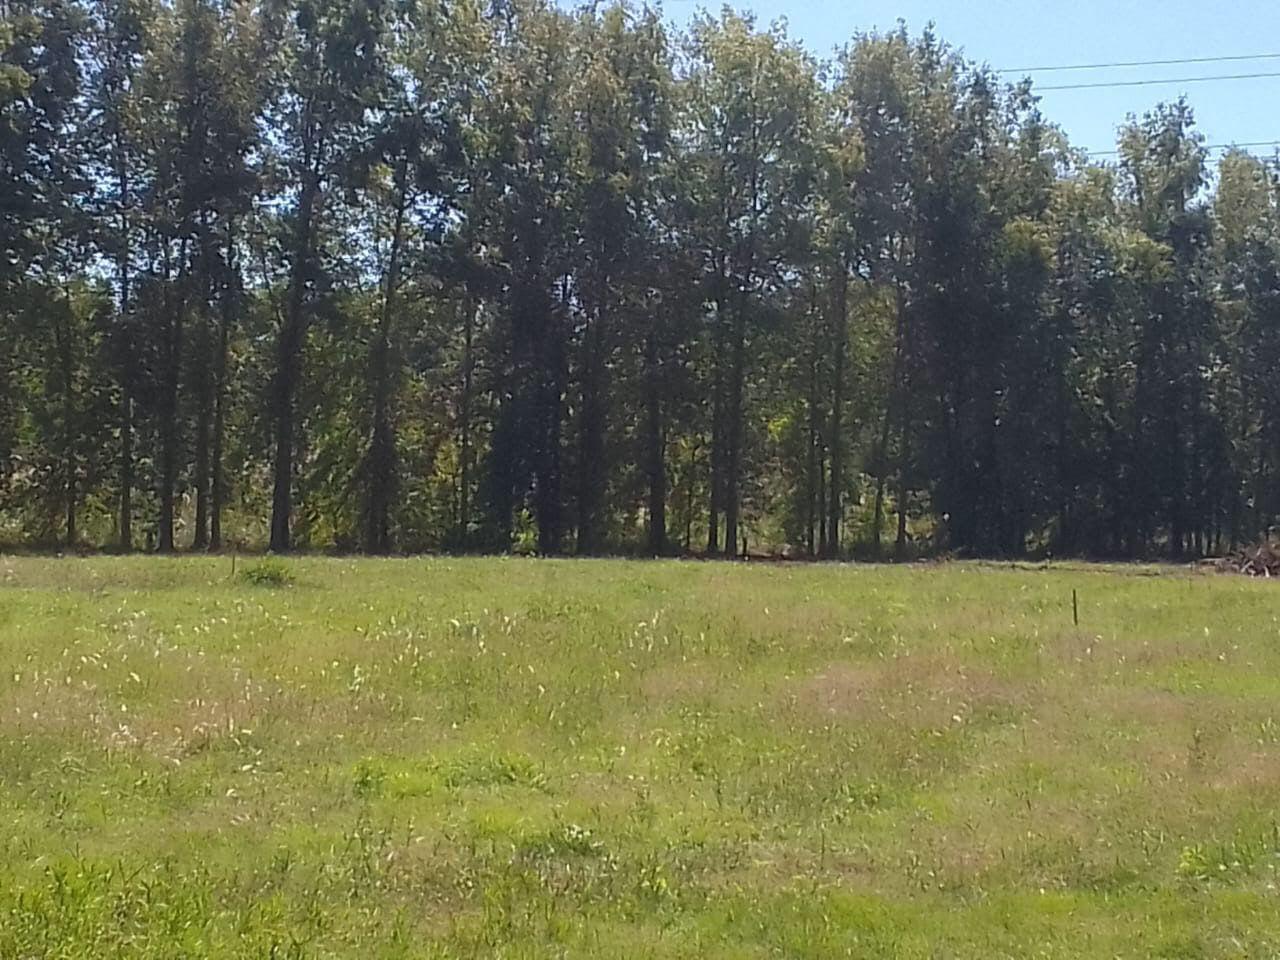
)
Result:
{"points": [[1154, 81], [1118, 64], [1212, 146], [1151, 81]]}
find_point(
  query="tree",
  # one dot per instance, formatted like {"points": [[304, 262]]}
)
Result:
{"points": [[527, 229], [46, 319], [328, 71], [1162, 159], [416, 154], [1246, 223], [509, 276], [751, 97], [119, 46], [621, 104]]}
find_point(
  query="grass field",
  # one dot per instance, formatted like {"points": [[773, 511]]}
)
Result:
{"points": [[519, 758]]}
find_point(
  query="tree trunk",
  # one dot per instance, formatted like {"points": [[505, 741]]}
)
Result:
{"points": [[127, 364], [204, 388], [204, 430], [66, 368], [282, 490], [203, 385], [1199, 488], [811, 465], [548, 394], [591, 450], [822, 498], [900, 545], [655, 436], [382, 442], [738, 369], [736, 417], [840, 338], [380, 459], [468, 370], [894, 402], [715, 484], [882, 445], [173, 308], [903, 384], [126, 461], [811, 451], [738, 372], [688, 497], [288, 360], [904, 460], [227, 305], [1177, 485]]}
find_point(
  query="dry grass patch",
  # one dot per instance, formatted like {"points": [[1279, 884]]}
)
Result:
{"points": [[679, 684], [919, 690]]}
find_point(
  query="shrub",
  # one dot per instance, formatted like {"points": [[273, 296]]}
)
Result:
{"points": [[267, 572]]}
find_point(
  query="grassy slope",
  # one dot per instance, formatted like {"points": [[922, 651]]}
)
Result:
{"points": [[597, 759]]}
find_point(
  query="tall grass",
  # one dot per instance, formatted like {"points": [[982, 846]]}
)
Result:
{"points": [[520, 758]]}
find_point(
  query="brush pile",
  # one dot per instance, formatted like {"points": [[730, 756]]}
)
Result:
{"points": [[1260, 560]]}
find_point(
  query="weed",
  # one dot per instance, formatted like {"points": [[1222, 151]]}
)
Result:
{"points": [[268, 572]]}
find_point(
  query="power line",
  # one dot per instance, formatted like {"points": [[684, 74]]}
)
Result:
{"points": [[1062, 68], [1212, 146], [1153, 82]]}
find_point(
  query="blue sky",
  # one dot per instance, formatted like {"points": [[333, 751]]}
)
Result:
{"points": [[1018, 33]]}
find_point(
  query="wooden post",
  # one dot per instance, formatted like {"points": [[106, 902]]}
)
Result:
{"points": [[1075, 608]]}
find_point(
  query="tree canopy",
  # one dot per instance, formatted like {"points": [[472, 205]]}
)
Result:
{"points": [[509, 276]]}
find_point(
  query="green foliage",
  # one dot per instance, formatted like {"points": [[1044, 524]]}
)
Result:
{"points": [[513, 277], [268, 572]]}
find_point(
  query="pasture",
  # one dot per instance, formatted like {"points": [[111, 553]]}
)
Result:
{"points": [[560, 758]]}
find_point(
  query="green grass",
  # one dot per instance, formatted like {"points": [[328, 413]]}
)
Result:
{"points": [[517, 758]]}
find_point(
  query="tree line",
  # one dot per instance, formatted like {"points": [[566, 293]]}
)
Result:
{"points": [[452, 275]]}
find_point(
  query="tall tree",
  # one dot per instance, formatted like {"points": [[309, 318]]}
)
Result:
{"points": [[529, 164], [117, 54], [621, 105], [328, 72], [751, 93]]}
